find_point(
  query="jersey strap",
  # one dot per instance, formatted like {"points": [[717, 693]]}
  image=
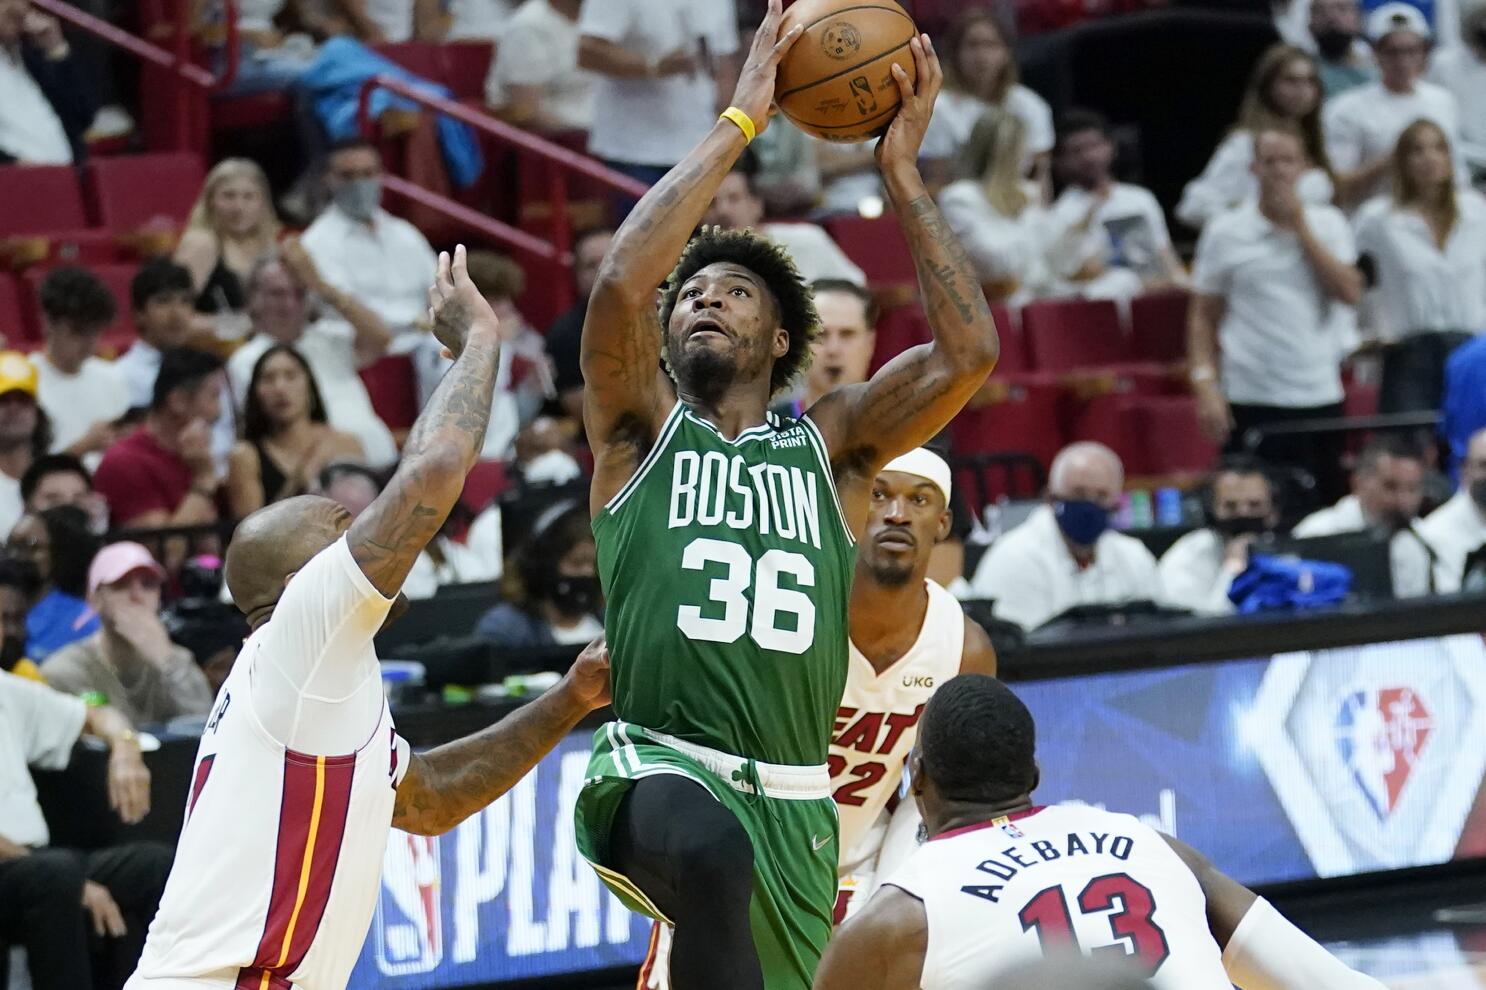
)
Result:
{"points": [[667, 430]]}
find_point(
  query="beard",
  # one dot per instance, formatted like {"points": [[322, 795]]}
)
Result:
{"points": [[890, 574], [703, 372]]}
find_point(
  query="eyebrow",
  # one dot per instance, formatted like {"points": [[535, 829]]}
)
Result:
{"points": [[743, 274]]}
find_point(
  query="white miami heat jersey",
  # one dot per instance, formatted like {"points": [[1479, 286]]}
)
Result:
{"points": [[877, 724], [998, 893]]}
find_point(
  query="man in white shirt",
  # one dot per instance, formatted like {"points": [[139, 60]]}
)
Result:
{"points": [[1462, 70], [737, 205], [1199, 568], [661, 65], [1266, 278], [1387, 490], [335, 349], [21, 431], [50, 898], [83, 395], [1458, 528], [1362, 125], [1125, 248], [536, 81], [1065, 554], [47, 105]]}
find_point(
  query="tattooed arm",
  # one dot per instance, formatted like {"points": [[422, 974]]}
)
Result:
{"points": [[446, 785], [915, 395], [445, 441], [626, 396]]}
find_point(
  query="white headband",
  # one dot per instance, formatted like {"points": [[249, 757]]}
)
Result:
{"points": [[926, 464]]}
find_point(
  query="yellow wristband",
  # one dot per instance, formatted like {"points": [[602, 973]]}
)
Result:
{"points": [[744, 122]]}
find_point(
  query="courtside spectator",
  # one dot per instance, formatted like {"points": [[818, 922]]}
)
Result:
{"points": [[1457, 529], [536, 81], [376, 259], [1345, 61], [1198, 569], [1265, 278], [19, 584], [1363, 124], [24, 432], [980, 74], [334, 349], [130, 660], [998, 215], [232, 224], [1123, 246], [1461, 70], [59, 543], [1426, 243], [842, 352], [553, 595], [48, 105], [737, 205], [1387, 492], [83, 395], [163, 474], [662, 66], [1065, 554], [565, 333], [80, 915], [1283, 94], [286, 437]]}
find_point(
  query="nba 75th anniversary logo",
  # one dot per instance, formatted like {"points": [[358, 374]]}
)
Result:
{"points": [[840, 40], [1375, 753]]}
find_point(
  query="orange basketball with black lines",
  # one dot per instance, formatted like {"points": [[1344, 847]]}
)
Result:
{"points": [[836, 82]]}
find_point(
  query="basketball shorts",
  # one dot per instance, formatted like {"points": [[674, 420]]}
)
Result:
{"points": [[787, 812]]}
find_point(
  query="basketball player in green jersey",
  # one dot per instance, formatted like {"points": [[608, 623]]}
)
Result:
{"points": [[726, 546]]}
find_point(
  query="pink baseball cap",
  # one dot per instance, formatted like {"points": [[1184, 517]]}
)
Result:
{"points": [[117, 561]]}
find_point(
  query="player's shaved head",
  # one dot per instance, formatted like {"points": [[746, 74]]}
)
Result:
{"points": [[275, 542]]}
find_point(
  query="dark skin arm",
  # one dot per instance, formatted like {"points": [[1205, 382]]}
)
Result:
{"points": [[882, 948], [445, 441], [978, 656], [1227, 899], [446, 785], [626, 396], [917, 393]]}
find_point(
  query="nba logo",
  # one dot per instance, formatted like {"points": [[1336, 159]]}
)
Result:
{"points": [[408, 927], [1380, 733]]}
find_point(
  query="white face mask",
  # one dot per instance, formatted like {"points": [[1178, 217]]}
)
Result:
{"points": [[359, 197]]}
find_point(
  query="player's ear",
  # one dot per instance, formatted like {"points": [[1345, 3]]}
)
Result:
{"points": [[1036, 778], [781, 343], [915, 772], [946, 519]]}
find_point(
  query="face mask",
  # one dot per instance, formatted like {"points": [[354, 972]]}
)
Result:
{"points": [[12, 649], [1334, 43], [1478, 493], [359, 197], [576, 595], [1480, 37], [1241, 526], [1081, 521]]}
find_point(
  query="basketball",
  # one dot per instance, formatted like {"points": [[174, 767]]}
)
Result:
{"points": [[836, 82]]}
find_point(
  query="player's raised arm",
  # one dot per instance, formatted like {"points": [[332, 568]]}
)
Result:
{"points": [[446, 785], [882, 948], [626, 396], [912, 397], [445, 441]]}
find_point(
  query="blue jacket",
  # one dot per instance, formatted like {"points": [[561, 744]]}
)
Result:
{"points": [[1465, 398]]}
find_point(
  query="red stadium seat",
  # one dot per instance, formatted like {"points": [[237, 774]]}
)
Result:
{"points": [[898, 329], [134, 191], [1109, 419], [1360, 399], [1021, 415], [421, 58], [1158, 326], [36, 199], [121, 333], [1168, 431], [393, 388], [1013, 348], [877, 247], [1065, 334], [463, 67], [486, 482], [15, 313]]}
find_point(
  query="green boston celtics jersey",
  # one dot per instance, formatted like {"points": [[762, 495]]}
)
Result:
{"points": [[726, 568]]}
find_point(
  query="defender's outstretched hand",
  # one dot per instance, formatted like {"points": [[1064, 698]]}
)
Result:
{"points": [[905, 135], [455, 305], [754, 94], [588, 678]]}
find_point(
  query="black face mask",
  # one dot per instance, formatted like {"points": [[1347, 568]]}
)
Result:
{"points": [[12, 649], [1478, 493], [1480, 36], [575, 596], [1334, 43], [1240, 526]]}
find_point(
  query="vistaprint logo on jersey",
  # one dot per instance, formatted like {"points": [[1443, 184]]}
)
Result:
{"points": [[790, 438]]}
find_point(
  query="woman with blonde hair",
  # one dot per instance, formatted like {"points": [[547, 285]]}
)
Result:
{"points": [[981, 74], [1284, 93], [1424, 244], [232, 224]]}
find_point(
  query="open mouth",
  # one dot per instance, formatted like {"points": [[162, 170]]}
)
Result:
{"points": [[707, 328]]}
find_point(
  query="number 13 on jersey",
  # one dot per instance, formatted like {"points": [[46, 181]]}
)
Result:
{"points": [[782, 618]]}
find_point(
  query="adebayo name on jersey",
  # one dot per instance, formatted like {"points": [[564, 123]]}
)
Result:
{"points": [[714, 489]]}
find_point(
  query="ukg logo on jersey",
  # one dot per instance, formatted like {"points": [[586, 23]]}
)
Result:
{"points": [[1380, 733], [408, 928]]}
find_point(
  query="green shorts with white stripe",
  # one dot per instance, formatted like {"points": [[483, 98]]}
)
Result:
{"points": [[787, 812]]}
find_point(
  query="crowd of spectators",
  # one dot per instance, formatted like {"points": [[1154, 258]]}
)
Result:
{"points": [[1339, 233]]}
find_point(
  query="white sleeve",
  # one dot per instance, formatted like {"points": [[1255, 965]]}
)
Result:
{"points": [[1012, 579], [992, 241], [720, 27], [1267, 952], [1222, 184], [1341, 132], [1335, 233], [1038, 117], [1211, 273], [609, 20], [49, 720], [1160, 233]]}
